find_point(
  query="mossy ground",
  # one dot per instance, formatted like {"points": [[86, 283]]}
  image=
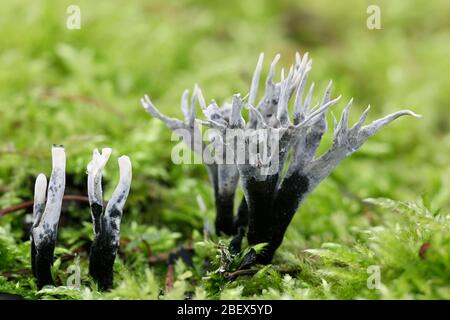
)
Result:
{"points": [[81, 88]]}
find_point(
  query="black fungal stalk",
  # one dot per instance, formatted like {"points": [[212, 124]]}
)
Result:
{"points": [[46, 215], [106, 224], [274, 187]]}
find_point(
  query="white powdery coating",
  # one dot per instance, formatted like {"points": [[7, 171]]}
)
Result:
{"points": [[94, 169], [58, 158], [48, 224], [346, 141], [119, 197], [99, 160], [189, 125], [309, 125], [56, 187], [125, 171], [255, 81], [172, 123], [228, 178], [40, 190], [302, 135]]}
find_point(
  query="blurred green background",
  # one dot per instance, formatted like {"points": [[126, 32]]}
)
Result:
{"points": [[81, 88]]}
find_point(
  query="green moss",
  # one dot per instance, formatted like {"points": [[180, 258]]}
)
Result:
{"points": [[81, 88]]}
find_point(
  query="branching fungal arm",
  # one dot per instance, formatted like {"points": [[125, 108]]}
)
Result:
{"points": [[44, 230], [106, 224], [272, 197], [223, 177]]}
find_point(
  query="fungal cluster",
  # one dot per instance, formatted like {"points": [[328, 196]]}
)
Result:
{"points": [[107, 222], [273, 187], [47, 211], [273, 155]]}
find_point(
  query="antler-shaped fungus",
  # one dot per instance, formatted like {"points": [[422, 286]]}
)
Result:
{"points": [[223, 177], [46, 213], [106, 224], [271, 198]]}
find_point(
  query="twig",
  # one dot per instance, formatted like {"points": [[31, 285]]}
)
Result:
{"points": [[50, 93], [169, 278], [22, 153], [235, 274], [164, 257], [347, 192], [29, 204], [13, 274], [252, 271]]}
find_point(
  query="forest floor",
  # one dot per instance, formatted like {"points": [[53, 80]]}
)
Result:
{"points": [[377, 228]]}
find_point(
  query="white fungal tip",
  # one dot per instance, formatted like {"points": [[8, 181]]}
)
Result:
{"points": [[146, 102], [58, 157], [261, 58], [98, 161], [275, 61], [125, 168], [106, 152], [411, 113], [40, 188], [200, 97]]}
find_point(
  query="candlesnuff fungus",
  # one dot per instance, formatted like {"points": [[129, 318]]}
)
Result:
{"points": [[46, 217], [106, 224], [273, 194], [224, 177]]}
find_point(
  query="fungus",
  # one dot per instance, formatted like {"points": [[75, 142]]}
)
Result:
{"points": [[106, 223], [276, 181], [223, 177], [46, 213]]}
